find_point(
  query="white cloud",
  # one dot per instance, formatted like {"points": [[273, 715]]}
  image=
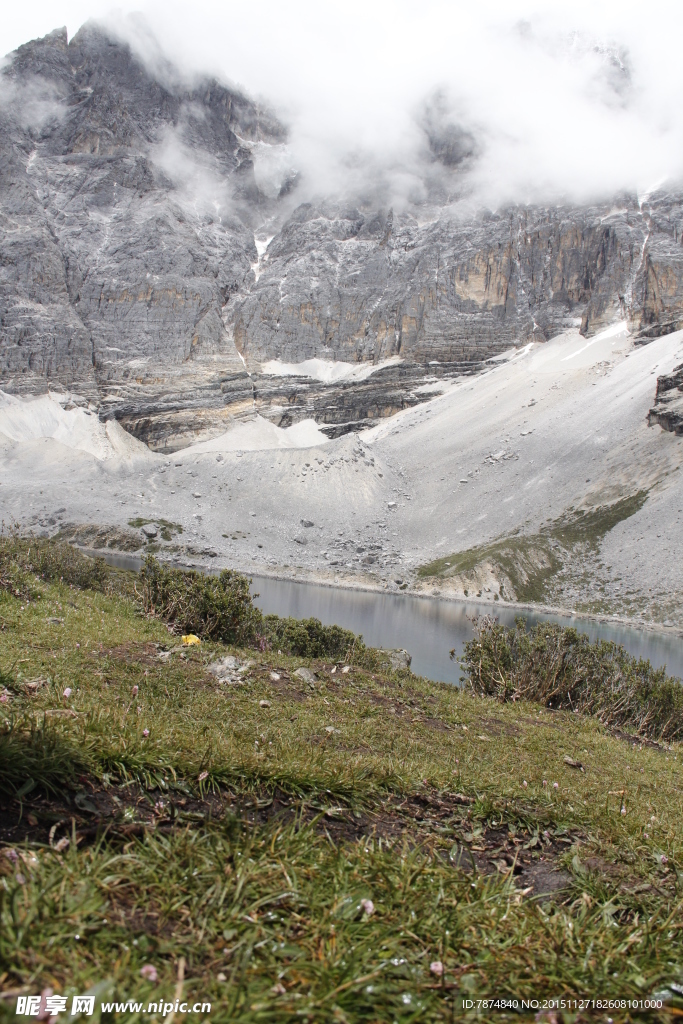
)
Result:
{"points": [[572, 100]]}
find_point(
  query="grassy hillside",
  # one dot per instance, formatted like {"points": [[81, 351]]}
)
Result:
{"points": [[318, 839]]}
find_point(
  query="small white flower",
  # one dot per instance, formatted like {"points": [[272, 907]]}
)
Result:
{"points": [[368, 907], [436, 967], [67, 692]]}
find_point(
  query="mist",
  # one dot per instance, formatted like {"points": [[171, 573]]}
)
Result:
{"points": [[446, 103]]}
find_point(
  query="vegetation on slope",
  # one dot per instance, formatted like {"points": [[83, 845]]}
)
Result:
{"points": [[332, 845], [560, 668], [528, 566]]}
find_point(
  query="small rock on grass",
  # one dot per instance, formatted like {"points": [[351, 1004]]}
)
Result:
{"points": [[224, 665], [306, 675], [399, 659]]}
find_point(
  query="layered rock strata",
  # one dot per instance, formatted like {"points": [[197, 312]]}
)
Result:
{"points": [[144, 269], [668, 408]]}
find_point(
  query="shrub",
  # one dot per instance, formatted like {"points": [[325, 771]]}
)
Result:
{"points": [[24, 558], [561, 668], [213, 607], [308, 638]]}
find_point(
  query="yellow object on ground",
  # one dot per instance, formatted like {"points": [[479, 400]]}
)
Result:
{"points": [[190, 638]]}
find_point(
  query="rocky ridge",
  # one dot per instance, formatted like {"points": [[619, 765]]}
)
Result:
{"points": [[668, 408], [147, 269]]}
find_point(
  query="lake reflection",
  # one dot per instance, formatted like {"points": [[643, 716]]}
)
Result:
{"points": [[429, 628], [425, 626]]}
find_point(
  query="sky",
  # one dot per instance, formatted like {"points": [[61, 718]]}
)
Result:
{"points": [[555, 101]]}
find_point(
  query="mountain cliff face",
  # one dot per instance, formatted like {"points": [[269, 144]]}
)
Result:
{"points": [[130, 273], [114, 267]]}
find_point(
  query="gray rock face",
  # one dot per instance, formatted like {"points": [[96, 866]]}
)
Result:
{"points": [[130, 276], [352, 284], [114, 269], [668, 408], [355, 285]]}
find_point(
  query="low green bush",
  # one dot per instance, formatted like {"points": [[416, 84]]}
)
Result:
{"points": [[308, 638], [561, 668], [212, 607], [24, 561], [220, 608]]}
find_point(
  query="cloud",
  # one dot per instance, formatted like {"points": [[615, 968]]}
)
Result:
{"points": [[413, 103], [32, 102]]}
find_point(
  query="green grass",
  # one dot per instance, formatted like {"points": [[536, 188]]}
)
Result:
{"points": [[527, 565], [243, 832]]}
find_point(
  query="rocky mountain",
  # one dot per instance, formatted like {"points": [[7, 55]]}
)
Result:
{"points": [[668, 408], [148, 269]]}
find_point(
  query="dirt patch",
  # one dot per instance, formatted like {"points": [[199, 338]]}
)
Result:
{"points": [[439, 822], [544, 878], [436, 723], [287, 691], [636, 741], [496, 727], [131, 653]]}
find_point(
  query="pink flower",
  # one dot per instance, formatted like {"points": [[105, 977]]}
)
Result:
{"points": [[368, 907], [43, 1012], [12, 855], [67, 692], [135, 691], [524, 783], [544, 783], [665, 859], [436, 967], [4, 699], [623, 810], [149, 972], [145, 732], [556, 785], [203, 775]]}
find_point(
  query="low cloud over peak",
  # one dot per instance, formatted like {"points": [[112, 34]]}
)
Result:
{"points": [[436, 104]]}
